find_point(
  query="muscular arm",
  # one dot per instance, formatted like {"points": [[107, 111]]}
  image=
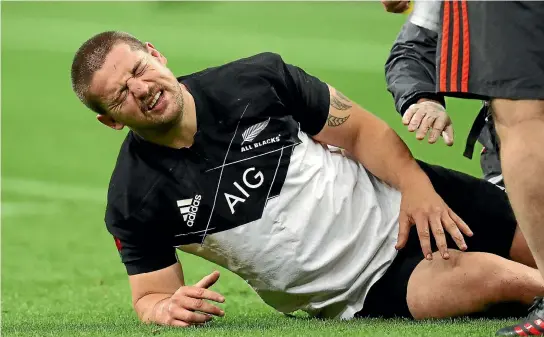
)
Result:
{"points": [[410, 70], [371, 141]]}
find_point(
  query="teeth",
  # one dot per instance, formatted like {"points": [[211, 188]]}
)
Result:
{"points": [[155, 99]]}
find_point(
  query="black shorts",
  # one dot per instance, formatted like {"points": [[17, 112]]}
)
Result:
{"points": [[491, 49], [482, 205]]}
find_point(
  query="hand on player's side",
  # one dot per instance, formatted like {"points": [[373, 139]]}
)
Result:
{"points": [[428, 115], [395, 6], [423, 207], [188, 305]]}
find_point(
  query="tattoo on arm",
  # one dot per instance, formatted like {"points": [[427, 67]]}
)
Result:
{"points": [[336, 121], [340, 102]]}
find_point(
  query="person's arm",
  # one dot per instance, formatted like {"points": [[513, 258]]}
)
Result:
{"points": [[410, 69], [331, 118], [410, 72], [159, 292], [381, 151]]}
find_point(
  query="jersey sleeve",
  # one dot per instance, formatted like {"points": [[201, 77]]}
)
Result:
{"points": [[305, 96], [141, 250]]}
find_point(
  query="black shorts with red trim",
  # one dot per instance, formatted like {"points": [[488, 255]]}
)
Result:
{"points": [[491, 49]]}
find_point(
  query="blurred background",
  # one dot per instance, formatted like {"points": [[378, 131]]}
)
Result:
{"points": [[59, 264]]}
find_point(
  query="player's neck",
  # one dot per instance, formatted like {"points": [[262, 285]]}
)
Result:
{"points": [[182, 133]]}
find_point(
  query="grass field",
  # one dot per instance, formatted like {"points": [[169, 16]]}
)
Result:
{"points": [[61, 275]]}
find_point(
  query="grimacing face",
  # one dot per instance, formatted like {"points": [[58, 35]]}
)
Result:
{"points": [[137, 90]]}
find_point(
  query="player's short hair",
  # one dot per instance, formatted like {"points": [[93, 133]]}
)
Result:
{"points": [[90, 57]]}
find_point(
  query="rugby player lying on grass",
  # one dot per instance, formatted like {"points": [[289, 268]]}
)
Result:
{"points": [[227, 164]]}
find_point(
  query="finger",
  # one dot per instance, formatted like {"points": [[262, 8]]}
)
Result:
{"points": [[194, 304], [424, 127], [439, 235], [188, 316], [389, 5], [201, 293], [447, 135], [460, 223], [415, 122], [208, 280], [438, 126], [401, 7], [423, 232], [453, 230], [178, 323], [408, 114], [404, 230]]}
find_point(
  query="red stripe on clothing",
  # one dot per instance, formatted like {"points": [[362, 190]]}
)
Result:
{"points": [[455, 47], [466, 47], [444, 47]]}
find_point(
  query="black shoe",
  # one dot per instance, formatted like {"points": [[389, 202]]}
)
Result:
{"points": [[533, 325]]}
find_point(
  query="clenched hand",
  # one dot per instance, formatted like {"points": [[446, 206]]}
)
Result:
{"points": [[393, 6]]}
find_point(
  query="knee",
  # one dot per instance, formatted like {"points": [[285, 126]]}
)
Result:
{"points": [[485, 273], [512, 114]]}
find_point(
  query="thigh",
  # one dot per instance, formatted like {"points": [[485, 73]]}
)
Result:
{"points": [[482, 205], [387, 297], [492, 49]]}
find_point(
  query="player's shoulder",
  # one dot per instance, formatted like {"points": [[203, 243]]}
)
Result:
{"points": [[258, 63], [137, 174]]}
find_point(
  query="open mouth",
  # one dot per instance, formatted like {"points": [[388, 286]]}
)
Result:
{"points": [[157, 99]]}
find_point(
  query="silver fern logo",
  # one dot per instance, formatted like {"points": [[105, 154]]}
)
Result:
{"points": [[253, 131]]}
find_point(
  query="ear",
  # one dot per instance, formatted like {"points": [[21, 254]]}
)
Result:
{"points": [[110, 122], [155, 53]]}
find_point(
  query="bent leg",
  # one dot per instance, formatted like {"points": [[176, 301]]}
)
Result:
{"points": [[469, 283]]}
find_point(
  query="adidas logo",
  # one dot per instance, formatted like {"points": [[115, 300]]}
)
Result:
{"points": [[188, 208]]}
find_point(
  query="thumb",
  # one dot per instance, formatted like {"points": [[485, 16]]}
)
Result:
{"points": [[447, 134], [208, 280]]}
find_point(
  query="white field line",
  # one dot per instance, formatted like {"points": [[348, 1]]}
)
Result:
{"points": [[54, 190]]}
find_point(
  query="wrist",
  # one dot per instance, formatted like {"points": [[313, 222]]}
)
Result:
{"points": [[154, 311], [413, 177], [421, 100]]}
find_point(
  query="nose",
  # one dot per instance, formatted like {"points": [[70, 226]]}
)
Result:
{"points": [[139, 88]]}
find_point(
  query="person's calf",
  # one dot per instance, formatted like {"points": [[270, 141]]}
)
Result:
{"points": [[520, 252]]}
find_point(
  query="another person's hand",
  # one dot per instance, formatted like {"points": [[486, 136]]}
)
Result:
{"points": [[188, 305], [396, 6], [422, 206], [428, 115]]}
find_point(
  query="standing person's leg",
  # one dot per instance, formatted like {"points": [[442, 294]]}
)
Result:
{"points": [[520, 126], [495, 50]]}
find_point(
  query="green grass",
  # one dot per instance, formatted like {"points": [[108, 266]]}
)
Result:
{"points": [[61, 275]]}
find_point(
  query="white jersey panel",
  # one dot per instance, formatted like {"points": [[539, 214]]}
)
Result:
{"points": [[321, 244]]}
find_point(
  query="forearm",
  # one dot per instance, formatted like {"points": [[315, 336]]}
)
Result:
{"points": [[149, 291], [385, 155], [410, 70]]}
